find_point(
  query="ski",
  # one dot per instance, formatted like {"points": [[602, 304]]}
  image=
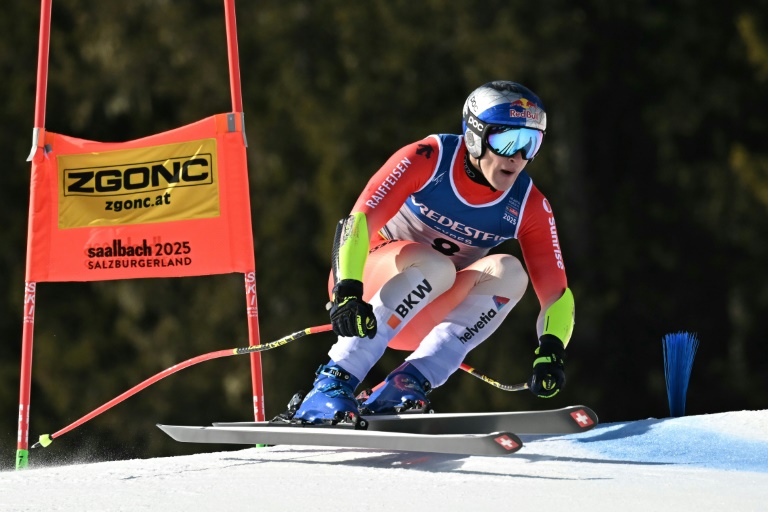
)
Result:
{"points": [[568, 420], [495, 444]]}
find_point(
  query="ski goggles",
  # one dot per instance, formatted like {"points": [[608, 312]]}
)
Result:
{"points": [[505, 141]]}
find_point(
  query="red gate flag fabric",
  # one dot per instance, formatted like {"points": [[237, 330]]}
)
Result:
{"points": [[168, 205]]}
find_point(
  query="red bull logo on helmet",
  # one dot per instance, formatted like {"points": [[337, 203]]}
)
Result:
{"points": [[525, 109]]}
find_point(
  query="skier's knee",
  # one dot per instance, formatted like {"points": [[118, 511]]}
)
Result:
{"points": [[437, 268], [513, 275], [506, 275]]}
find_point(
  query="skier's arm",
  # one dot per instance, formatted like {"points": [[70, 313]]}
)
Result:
{"points": [[350, 314], [541, 250], [404, 173], [543, 257], [559, 318], [350, 248]]}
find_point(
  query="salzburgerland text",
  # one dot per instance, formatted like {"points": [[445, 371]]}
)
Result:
{"points": [[140, 263], [143, 255]]}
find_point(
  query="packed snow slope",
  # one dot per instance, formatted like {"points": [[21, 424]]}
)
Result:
{"points": [[698, 463]]}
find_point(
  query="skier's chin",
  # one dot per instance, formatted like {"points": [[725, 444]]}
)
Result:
{"points": [[505, 179]]}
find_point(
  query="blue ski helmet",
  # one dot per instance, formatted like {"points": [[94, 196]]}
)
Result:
{"points": [[499, 103]]}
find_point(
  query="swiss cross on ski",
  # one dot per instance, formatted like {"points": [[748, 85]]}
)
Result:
{"points": [[582, 418], [507, 442]]}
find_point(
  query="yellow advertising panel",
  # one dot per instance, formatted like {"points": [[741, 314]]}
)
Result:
{"points": [[161, 183]]}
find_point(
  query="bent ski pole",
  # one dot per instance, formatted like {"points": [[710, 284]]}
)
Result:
{"points": [[505, 387], [47, 439]]}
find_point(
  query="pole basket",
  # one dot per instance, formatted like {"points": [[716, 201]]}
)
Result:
{"points": [[679, 353]]}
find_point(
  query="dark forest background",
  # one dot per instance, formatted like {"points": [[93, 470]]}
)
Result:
{"points": [[656, 162]]}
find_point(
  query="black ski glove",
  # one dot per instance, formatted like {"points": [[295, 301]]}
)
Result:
{"points": [[350, 314], [548, 368]]}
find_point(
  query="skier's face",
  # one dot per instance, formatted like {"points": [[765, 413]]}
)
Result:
{"points": [[501, 171]]}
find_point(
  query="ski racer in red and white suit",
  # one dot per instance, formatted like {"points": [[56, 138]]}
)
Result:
{"points": [[411, 268]]}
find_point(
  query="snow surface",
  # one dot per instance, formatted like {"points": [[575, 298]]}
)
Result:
{"points": [[699, 463]]}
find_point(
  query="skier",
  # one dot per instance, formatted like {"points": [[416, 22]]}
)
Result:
{"points": [[411, 268]]}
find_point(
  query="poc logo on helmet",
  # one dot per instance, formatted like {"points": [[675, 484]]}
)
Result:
{"points": [[472, 121]]}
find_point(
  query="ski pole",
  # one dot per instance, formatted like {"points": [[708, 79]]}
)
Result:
{"points": [[505, 387], [47, 439]]}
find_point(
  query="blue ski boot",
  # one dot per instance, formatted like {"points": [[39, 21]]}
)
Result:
{"points": [[404, 389], [332, 399]]}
